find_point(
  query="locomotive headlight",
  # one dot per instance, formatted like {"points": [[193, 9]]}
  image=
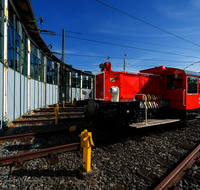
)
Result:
{"points": [[114, 90]]}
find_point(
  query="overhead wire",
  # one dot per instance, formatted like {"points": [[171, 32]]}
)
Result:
{"points": [[108, 43], [80, 33], [144, 49], [142, 59], [148, 23], [191, 64]]}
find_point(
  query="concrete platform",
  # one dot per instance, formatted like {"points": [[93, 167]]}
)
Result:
{"points": [[154, 122]]}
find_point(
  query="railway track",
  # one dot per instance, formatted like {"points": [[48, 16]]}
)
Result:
{"points": [[119, 163], [181, 170], [46, 115]]}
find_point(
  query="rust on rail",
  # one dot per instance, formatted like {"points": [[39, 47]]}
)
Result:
{"points": [[174, 177], [38, 153]]}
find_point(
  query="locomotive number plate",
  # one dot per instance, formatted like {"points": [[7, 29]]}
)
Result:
{"points": [[112, 79]]}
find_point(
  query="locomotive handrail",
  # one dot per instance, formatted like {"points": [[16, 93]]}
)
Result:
{"points": [[145, 105], [184, 97]]}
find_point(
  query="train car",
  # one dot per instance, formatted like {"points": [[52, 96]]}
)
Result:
{"points": [[159, 92]]}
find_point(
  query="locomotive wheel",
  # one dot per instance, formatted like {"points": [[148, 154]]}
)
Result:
{"points": [[92, 107]]}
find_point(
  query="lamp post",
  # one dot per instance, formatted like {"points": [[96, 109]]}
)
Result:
{"points": [[124, 61]]}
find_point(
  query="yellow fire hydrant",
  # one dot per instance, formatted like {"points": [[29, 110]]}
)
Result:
{"points": [[86, 143], [63, 103], [56, 110]]}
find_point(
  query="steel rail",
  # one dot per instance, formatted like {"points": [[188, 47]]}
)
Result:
{"points": [[66, 105], [60, 110], [174, 177], [53, 115], [46, 120], [38, 134], [38, 153]]}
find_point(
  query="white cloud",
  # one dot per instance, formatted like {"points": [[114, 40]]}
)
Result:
{"points": [[195, 3]]}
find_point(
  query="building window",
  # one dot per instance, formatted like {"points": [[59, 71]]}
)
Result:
{"points": [[199, 85], [1, 30], [86, 82], [49, 71], [10, 44], [37, 64], [192, 85], [75, 80], [54, 72], [41, 68], [24, 55]]}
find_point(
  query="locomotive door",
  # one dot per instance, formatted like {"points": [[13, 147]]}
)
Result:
{"points": [[199, 94], [99, 86], [192, 97]]}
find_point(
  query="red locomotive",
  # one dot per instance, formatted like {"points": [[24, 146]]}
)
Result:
{"points": [[157, 92]]}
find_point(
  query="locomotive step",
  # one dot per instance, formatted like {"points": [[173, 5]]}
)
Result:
{"points": [[154, 122]]}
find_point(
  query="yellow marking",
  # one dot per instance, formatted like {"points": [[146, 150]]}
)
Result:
{"points": [[56, 114], [29, 48], [72, 128], [6, 12], [86, 143]]}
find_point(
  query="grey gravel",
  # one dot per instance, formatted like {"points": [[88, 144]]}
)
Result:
{"points": [[109, 169]]}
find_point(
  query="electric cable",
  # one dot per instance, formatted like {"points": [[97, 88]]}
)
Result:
{"points": [[148, 23], [80, 33], [108, 43], [142, 59]]}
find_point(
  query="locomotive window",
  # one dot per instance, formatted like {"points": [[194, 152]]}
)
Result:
{"points": [[192, 85], [199, 85], [174, 82]]}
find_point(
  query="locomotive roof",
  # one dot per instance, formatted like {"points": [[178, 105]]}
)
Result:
{"points": [[191, 73], [162, 70]]}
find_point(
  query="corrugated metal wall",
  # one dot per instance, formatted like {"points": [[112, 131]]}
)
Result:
{"points": [[51, 94], [42, 95], [48, 94], [76, 93], [36, 94], [10, 95], [17, 95], [54, 93], [84, 96], [1, 94], [32, 94], [24, 94]]}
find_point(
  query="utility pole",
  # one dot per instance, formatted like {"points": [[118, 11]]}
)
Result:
{"points": [[63, 46], [124, 61], [62, 66]]}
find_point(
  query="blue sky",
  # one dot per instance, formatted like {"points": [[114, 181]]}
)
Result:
{"points": [[141, 42]]}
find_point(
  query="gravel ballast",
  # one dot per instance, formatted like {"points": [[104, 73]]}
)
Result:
{"points": [[110, 170]]}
